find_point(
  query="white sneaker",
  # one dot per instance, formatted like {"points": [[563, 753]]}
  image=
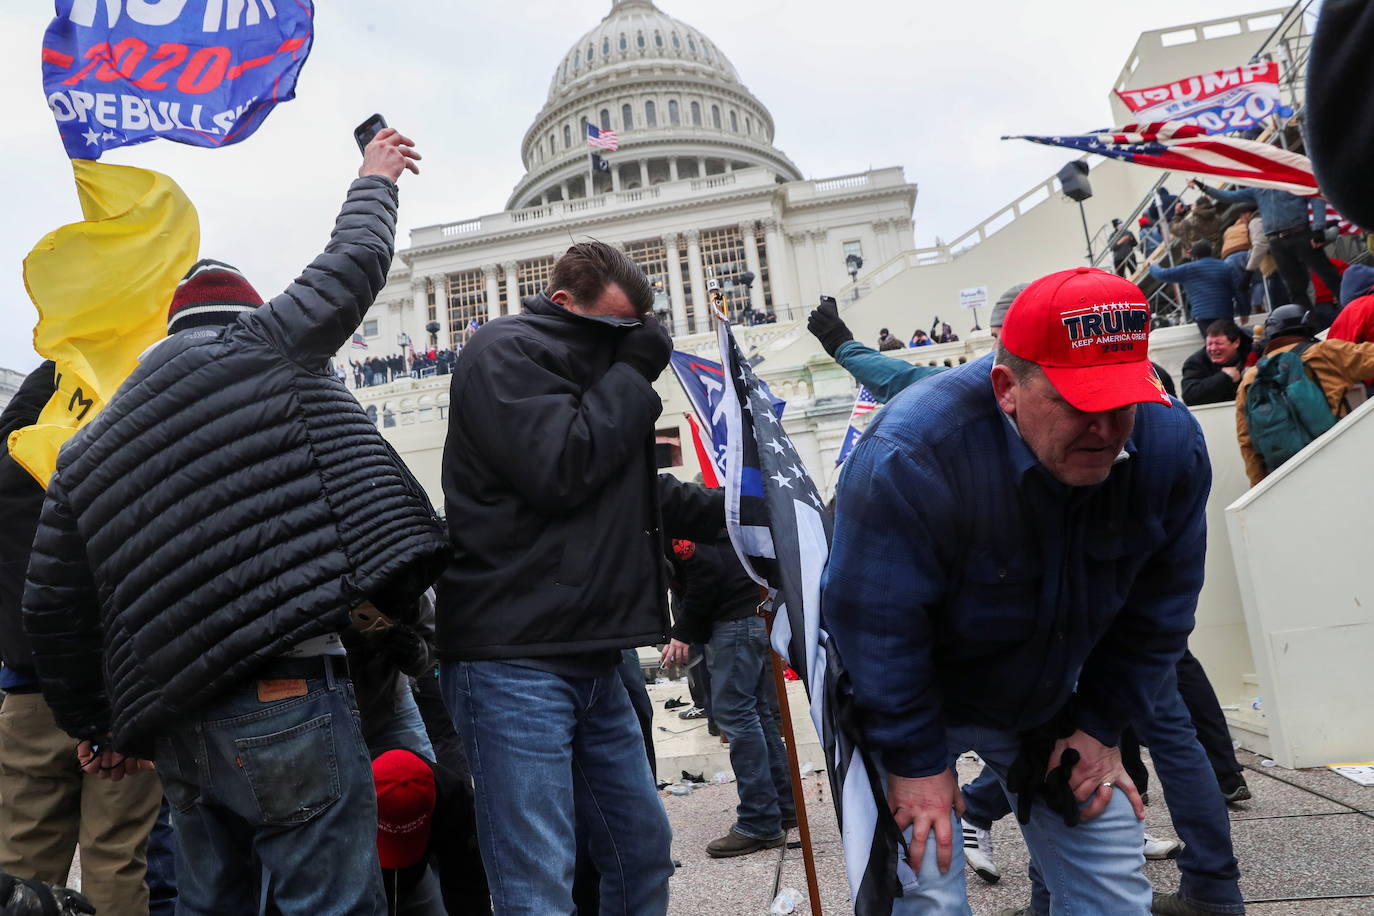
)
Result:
{"points": [[978, 853], [1156, 849]]}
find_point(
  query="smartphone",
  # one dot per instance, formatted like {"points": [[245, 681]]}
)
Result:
{"points": [[365, 131], [828, 300]]}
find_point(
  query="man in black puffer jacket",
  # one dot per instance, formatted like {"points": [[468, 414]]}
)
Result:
{"points": [[557, 522], [203, 542]]}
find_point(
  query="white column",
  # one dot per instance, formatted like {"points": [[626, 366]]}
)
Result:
{"points": [[883, 235], [441, 315], [489, 273], [564, 187], [676, 295], [748, 230], [701, 166], [643, 173], [512, 287], [672, 168], [615, 178], [701, 302], [779, 267], [805, 271], [419, 286]]}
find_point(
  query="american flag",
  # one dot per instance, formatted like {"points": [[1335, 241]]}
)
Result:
{"points": [[359, 342], [1345, 226], [602, 138], [864, 405], [781, 530], [1188, 148]]}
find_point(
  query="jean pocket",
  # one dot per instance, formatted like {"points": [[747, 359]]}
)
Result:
{"points": [[180, 782], [294, 774]]}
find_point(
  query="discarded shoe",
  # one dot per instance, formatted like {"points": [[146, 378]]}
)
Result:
{"points": [[737, 844], [675, 703], [698, 778]]}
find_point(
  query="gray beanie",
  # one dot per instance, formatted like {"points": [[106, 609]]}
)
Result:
{"points": [[999, 311]]}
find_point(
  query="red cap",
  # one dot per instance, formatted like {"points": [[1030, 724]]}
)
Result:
{"points": [[1090, 332], [405, 807]]}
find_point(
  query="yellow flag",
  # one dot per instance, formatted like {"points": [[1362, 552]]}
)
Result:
{"points": [[102, 288]]}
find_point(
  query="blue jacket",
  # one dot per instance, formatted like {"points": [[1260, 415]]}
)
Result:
{"points": [[1278, 210], [884, 376], [1212, 285], [967, 586]]}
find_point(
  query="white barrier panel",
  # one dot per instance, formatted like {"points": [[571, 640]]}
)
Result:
{"points": [[1301, 541]]}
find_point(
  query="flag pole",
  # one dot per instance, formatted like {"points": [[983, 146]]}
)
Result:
{"points": [[780, 686], [794, 769]]}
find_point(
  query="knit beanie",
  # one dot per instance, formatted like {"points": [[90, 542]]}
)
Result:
{"points": [[212, 294], [999, 311]]}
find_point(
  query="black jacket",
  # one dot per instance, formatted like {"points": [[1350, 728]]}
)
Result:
{"points": [[552, 503], [715, 588], [231, 500], [1205, 383], [21, 499]]}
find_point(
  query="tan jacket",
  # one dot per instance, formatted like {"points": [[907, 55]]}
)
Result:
{"points": [[1337, 365], [1260, 259], [1235, 238]]}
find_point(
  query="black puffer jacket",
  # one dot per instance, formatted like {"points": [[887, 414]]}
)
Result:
{"points": [[231, 500], [21, 499], [549, 482]]}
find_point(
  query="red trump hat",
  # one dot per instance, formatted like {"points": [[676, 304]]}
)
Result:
{"points": [[405, 807], [1090, 332]]}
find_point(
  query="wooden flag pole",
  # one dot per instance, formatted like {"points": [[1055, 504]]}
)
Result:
{"points": [[794, 768]]}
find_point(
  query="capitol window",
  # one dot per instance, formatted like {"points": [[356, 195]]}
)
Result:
{"points": [[624, 45], [749, 125], [677, 42], [696, 114], [577, 59], [370, 327], [567, 136], [627, 117], [591, 50], [691, 45], [650, 115], [605, 119], [674, 116], [658, 39], [715, 116], [605, 47], [734, 123], [639, 40]]}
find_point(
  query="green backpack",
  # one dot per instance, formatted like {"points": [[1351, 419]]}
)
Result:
{"points": [[1285, 408]]}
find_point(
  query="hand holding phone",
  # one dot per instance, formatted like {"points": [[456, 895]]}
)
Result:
{"points": [[388, 153], [365, 131]]}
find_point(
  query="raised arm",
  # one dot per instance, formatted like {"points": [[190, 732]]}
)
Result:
{"points": [[318, 313]]}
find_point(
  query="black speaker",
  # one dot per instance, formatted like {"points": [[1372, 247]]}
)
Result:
{"points": [[1073, 177]]}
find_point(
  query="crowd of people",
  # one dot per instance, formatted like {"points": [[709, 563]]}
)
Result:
{"points": [[381, 370]]}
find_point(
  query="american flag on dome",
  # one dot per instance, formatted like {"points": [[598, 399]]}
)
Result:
{"points": [[781, 530], [1189, 148], [864, 405], [602, 138]]}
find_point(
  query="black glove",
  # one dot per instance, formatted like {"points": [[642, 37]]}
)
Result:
{"points": [[646, 349], [405, 648], [1319, 235], [34, 898], [1028, 778], [827, 326]]}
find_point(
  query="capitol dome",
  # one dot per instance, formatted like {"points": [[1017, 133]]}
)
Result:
{"points": [[674, 100]]}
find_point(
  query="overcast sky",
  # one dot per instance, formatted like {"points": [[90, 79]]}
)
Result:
{"points": [[865, 83]]}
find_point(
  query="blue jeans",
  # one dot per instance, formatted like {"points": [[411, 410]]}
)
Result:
{"points": [[741, 681], [162, 866], [404, 729], [549, 754], [1096, 867], [984, 801], [1209, 873], [288, 780]]}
